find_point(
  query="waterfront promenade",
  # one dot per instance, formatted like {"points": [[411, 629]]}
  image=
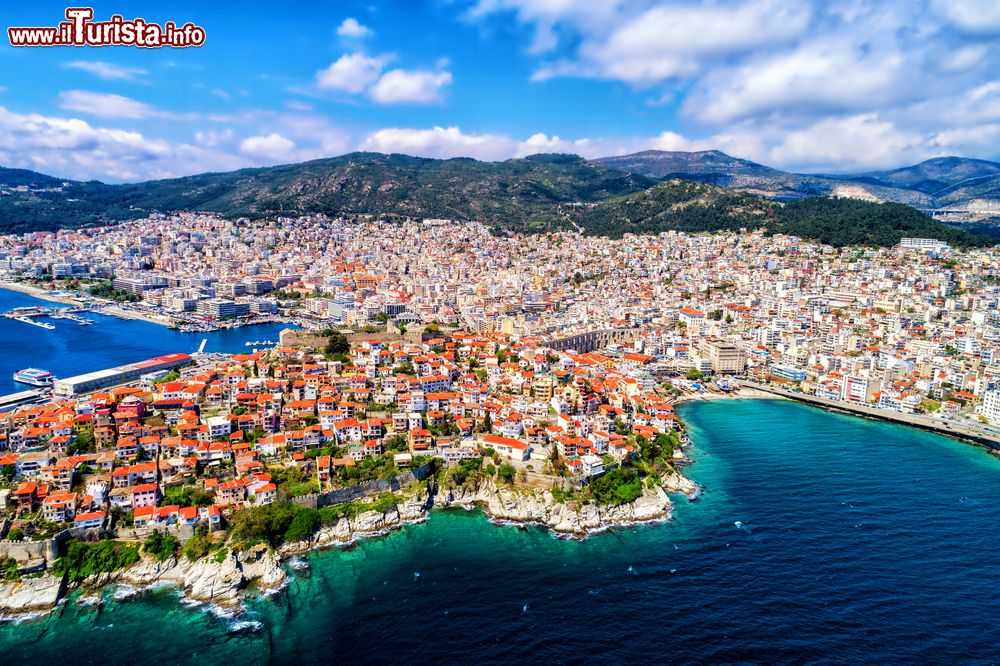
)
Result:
{"points": [[969, 432]]}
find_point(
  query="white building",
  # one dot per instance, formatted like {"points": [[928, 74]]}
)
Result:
{"points": [[990, 408]]}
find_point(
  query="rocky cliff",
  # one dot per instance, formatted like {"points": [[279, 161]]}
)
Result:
{"points": [[222, 581], [572, 518], [370, 523], [30, 595]]}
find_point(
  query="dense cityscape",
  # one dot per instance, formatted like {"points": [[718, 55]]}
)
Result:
{"points": [[535, 376]]}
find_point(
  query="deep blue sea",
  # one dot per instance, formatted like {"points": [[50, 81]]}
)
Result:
{"points": [[72, 349], [819, 538]]}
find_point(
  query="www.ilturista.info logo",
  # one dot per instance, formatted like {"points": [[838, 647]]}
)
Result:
{"points": [[79, 29]]}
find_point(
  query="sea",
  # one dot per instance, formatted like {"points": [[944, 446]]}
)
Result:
{"points": [[71, 349], [819, 538]]}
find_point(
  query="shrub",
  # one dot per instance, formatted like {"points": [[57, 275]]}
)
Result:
{"points": [[303, 525], [619, 486], [199, 545], [161, 546], [84, 559], [506, 472]]}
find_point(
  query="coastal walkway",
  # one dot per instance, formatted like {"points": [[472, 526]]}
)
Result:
{"points": [[981, 436]]}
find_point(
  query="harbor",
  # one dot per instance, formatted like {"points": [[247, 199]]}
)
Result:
{"points": [[70, 348], [30, 315]]}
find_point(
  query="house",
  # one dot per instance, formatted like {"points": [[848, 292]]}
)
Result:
{"points": [[266, 493], [592, 465], [93, 519], [145, 494], [512, 449]]}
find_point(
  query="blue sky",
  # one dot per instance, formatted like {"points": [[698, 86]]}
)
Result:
{"points": [[812, 86]]}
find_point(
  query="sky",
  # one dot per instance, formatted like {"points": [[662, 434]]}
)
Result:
{"points": [[813, 86]]}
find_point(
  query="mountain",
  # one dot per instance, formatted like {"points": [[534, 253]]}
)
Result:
{"points": [[535, 193], [939, 174], [462, 188], [690, 206], [23, 177], [949, 182], [704, 165]]}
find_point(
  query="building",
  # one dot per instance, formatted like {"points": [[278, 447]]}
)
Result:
{"points": [[102, 379], [512, 449], [787, 372], [223, 308], [990, 408], [923, 245], [725, 357]]}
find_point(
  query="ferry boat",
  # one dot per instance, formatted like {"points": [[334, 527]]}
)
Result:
{"points": [[34, 377]]}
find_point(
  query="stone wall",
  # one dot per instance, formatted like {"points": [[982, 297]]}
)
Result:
{"points": [[25, 552], [366, 489]]}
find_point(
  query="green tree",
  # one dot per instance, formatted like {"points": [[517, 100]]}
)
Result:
{"points": [[336, 344], [506, 472], [694, 374], [161, 546]]}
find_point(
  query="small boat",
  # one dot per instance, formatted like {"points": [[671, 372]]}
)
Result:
{"points": [[34, 377]]}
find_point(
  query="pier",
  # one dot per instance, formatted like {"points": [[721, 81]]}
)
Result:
{"points": [[27, 315]]}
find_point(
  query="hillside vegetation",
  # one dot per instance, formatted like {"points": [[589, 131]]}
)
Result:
{"points": [[696, 207], [536, 193]]}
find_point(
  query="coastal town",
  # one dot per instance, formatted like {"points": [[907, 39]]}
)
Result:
{"points": [[438, 364]]}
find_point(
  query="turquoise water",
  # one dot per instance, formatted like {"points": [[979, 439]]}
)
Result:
{"points": [[820, 537], [72, 349]]}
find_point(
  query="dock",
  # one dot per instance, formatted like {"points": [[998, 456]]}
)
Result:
{"points": [[27, 315], [12, 400], [29, 320]]}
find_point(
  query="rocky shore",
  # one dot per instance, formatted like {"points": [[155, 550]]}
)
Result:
{"points": [[571, 519], [223, 580]]}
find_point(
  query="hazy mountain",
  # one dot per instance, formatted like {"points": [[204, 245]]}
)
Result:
{"points": [[940, 182]]}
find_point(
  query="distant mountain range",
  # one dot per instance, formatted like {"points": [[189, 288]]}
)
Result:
{"points": [[942, 182], [609, 196]]}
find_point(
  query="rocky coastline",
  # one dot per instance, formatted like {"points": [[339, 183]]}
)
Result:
{"points": [[223, 581]]}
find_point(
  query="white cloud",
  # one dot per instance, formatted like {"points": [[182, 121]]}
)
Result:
{"points": [[72, 147], [271, 147], [106, 70], [351, 28], [351, 73], [416, 86], [978, 17], [670, 41], [864, 141], [764, 79], [104, 105], [440, 142], [818, 77], [212, 138]]}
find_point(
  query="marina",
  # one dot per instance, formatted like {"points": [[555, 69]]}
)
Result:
{"points": [[71, 349], [28, 315]]}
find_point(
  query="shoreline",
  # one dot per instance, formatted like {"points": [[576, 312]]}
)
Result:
{"points": [[962, 433], [114, 310], [224, 584], [38, 292], [742, 393]]}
